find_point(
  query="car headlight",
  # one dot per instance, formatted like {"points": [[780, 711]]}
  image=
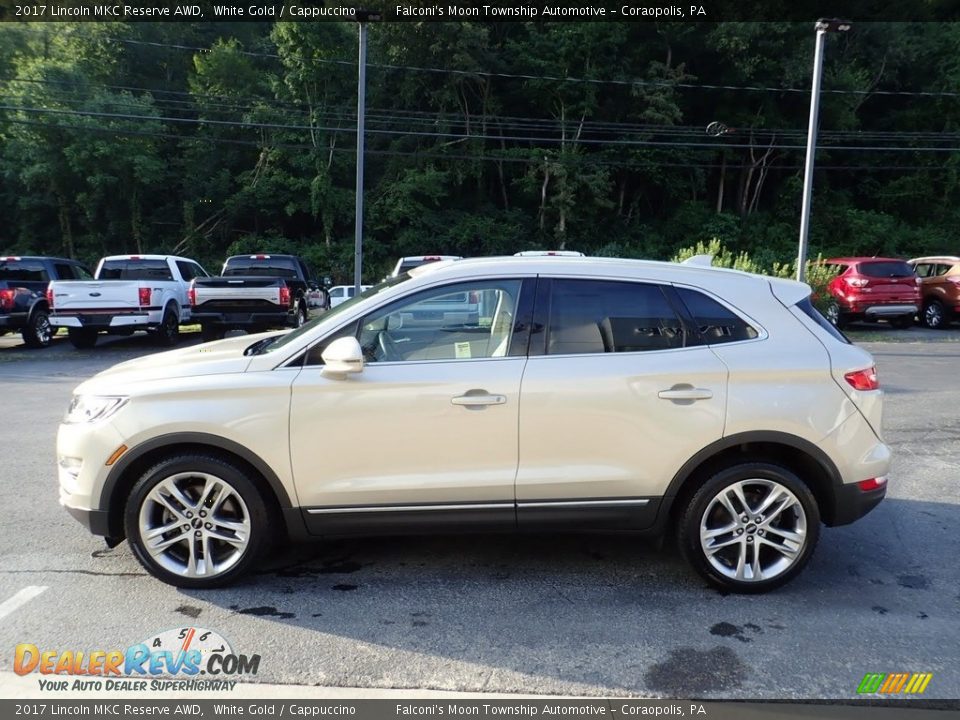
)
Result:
{"points": [[90, 408]]}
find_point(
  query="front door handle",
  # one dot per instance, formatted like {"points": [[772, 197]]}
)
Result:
{"points": [[686, 393], [478, 397]]}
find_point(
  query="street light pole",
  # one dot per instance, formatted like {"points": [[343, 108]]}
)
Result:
{"points": [[822, 27], [361, 126]]}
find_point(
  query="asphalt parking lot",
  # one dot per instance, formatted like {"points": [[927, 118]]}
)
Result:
{"points": [[579, 615]]}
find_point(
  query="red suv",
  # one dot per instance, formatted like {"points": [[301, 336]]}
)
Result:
{"points": [[872, 288]]}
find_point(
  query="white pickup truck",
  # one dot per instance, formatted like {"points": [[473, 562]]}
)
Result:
{"points": [[129, 293]]}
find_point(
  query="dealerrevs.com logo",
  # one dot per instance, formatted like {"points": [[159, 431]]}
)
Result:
{"points": [[189, 658]]}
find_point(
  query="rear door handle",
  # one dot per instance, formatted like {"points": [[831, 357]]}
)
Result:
{"points": [[685, 394], [480, 398]]}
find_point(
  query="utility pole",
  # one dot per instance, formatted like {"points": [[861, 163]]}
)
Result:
{"points": [[363, 17], [822, 27]]}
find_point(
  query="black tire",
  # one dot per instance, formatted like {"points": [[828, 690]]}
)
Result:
{"points": [[934, 315], [300, 315], [209, 333], [38, 332], [82, 338], [835, 316], [754, 475], [186, 468], [168, 332], [904, 322]]}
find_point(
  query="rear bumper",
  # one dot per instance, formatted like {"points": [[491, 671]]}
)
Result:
{"points": [[13, 321], [242, 319], [851, 503], [890, 310], [104, 321]]}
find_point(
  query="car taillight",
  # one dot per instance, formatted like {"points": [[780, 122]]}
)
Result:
{"points": [[192, 294], [284, 295], [50, 296], [857, 282], [6, 299], [872, 484], [145, 296], [865, 379]]}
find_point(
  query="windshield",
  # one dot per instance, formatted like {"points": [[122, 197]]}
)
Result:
{"points": [[282, 340]]}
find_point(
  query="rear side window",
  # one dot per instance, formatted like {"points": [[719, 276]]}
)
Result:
{"points": [[263, 267], [135, 270], [22, 271], [886, 269], [717, 324], [811, 312], [603, 316]]}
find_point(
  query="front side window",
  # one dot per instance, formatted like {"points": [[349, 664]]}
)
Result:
{"points": [[603, 316], [466, 321], [924, 269], [717, 324]]}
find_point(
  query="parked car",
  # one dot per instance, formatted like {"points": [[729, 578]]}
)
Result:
{"points": [[871, 289], [939, 288], [23, 294], [341, 293], [128, 293], [253, 293], [413, 261], [655, 397]]}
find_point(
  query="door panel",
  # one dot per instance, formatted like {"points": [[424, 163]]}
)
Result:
{"points": [[393, 435], [623, 394], [595, 426]]}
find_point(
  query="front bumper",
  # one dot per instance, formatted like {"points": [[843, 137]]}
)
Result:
{"points": [[96, 521]]}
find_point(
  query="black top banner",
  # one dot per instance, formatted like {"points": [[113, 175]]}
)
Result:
{"points": [[478, 11]]}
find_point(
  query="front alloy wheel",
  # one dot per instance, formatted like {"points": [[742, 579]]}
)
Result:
{"points": [[196, 521], [750, 528]]}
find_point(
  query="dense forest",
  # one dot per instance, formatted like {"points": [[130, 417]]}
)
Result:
{"points": [[482, 138]]}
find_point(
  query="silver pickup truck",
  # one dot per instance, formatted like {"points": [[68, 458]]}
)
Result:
{"points": [[128, 293]]}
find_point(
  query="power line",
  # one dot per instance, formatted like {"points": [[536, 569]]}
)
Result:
{"points": [[555, 78], [639, 163], [462, 136]]}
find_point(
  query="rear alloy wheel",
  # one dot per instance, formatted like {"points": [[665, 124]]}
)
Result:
{"points": [[835, 317], [301, 317], [750, 528], [82, 338], [168, 333], [38, 332], [904, 322], [934, 316], [196, 522]]}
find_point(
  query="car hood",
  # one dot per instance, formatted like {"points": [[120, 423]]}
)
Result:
{"points": [[224, 356]]}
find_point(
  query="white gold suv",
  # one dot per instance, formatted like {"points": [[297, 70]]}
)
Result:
{"points": [[585, 394]]}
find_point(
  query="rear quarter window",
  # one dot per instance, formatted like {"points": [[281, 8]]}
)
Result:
{"points": [[808, 309], [717, 324]]}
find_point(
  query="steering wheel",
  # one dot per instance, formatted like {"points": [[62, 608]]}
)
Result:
{"points": [[388, 350]]}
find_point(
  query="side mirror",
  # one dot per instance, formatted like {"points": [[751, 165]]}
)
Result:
{"points": [[341, 358]]}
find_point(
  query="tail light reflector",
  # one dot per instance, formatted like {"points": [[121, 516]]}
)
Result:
{"points": [[50, 295], [872, 484], [192, 294], [145, 294], [284, 295], [865, 379], [6, 299]]}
